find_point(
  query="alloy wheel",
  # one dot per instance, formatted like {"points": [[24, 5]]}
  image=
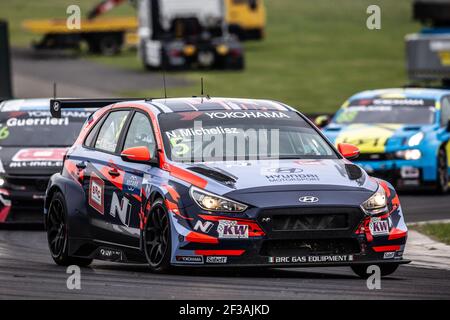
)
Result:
{"points": [[56, 228], [157, 236]]}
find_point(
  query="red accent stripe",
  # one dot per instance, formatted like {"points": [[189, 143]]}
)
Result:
{"points": [[187, 176], [217, 218], [386, 248], [386, 188], [173, 193], [71, 169], [397, 234], [200, 238], [219, 252], [173, 207], [4, 212]]}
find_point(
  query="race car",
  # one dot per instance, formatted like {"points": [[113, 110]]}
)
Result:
{"points": [[403, 135], [32, 146], [217, 182]]}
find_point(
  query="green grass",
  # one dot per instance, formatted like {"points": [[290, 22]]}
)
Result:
{"points": [[316, 54], [438, 231]]}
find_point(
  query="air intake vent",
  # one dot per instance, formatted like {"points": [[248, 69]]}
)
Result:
{"points": [[216, 174]]}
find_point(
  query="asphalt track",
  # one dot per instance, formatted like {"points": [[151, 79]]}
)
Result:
{"points": [[34, 75], [27, 271]]}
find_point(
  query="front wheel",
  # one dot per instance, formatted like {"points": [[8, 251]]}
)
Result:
{"points": [[442, 172], [57, 235], [157, 238], [385, 270]]}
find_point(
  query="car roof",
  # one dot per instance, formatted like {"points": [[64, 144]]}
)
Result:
{"points": [[402, 93], [171, 105], [42, 104]]}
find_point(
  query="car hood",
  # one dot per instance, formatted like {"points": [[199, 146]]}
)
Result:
{"points": [[330, 174], [30, 161], [374, 138]]}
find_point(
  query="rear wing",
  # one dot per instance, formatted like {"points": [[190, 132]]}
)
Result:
{"points": [[56, 105]]}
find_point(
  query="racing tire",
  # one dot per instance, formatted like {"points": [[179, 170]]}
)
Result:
{"points": [[442, 172], [57, 234], [157, 238], [385, 270]]}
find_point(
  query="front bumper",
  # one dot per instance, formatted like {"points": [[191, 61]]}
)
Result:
{"points": [[402, 173], [210, 54], [290, 237]]}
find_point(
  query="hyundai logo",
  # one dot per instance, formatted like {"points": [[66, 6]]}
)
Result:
{"points": [[308, 199]]}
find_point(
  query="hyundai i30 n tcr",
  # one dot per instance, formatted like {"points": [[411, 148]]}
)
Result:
{"points": [[32, 146], [403, 135], [217, 182]]}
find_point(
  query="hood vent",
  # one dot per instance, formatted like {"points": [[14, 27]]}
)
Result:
{"points": [[215, 174], [354, 172]]}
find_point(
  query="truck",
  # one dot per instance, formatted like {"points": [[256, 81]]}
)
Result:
{"points": [[428, 51], [105, 36], [246, 18], [177, 34]]}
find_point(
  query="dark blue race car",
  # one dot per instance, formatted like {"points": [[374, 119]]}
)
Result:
{"points": [[216, 182]]}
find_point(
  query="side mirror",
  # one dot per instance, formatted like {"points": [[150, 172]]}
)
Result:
{"points": [[322, 121], [348, 151], [136, 154]]}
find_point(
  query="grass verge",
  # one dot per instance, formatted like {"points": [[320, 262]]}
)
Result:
{"points": [[437, 231]]}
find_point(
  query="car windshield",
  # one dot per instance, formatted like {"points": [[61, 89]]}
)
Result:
{"points": [[403, 111], [241, 135], [38, 128]]}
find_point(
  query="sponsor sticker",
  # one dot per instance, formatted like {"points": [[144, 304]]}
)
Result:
{"points": [[190, 259], [97, 193], [311, 259], [291, 177], [56, 154], [281, 170], [200, 131], [132, 182], [216, 259], [205, 227], [232, 230], [110, 254], [379, 227], [247, 115], [48, 121], [121, 208]]}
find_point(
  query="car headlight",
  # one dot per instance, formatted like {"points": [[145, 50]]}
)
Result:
{"points": [[413, 154], [415, 139], [377, 203], [2, 181], [211, 202]]}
